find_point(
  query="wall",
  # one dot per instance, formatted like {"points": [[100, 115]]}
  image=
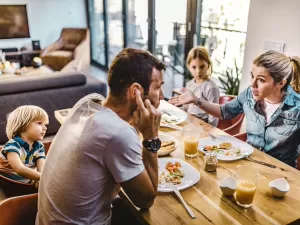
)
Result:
{"points": [[46, 19], [274, 20]]}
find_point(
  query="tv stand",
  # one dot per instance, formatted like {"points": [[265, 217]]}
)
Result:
{"points": [[22, 57]]}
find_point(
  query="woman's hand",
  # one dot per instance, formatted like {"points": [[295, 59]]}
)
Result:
{"points": [[186, 98]]}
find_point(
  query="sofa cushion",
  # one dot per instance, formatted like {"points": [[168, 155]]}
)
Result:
{"points": [[73, 66], [56, 62], [42, 82], [61, 53]]}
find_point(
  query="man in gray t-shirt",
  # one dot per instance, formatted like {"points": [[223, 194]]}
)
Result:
{"points": [[97, 151]]}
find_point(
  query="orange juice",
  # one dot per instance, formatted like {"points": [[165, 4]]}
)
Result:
{"points": [[190, 146], [245, 191]]}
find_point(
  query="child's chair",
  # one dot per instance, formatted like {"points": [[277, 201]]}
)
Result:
{"points": [[19, 210]]}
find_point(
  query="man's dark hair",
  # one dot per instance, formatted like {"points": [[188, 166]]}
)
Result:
{"points": [[130, 66]]}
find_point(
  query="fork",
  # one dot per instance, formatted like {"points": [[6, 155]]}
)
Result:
{"points": [[246, 156], [213, 137]]}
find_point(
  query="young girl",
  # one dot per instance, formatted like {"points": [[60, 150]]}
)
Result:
{"points": [[23, 152], [200, 66]]}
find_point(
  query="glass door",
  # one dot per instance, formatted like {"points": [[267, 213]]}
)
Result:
{"points": [[170, 25], [137, 25], [115, 28], [97, 31]]}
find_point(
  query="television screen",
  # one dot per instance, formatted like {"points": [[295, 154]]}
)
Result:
{"points": [[13, 22]]}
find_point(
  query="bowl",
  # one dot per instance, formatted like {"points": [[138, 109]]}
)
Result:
{"points": [[279, 187], [166, 138], [227, 186]]}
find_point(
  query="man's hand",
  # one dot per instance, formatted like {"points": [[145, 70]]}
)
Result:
{"points": [[186, 98], [146, 118]]}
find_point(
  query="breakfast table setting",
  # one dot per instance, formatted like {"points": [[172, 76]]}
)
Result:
{"points": [[207, 176]]}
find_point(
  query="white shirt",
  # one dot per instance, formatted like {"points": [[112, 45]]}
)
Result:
{"points": [[208, 91], [269, 109]]}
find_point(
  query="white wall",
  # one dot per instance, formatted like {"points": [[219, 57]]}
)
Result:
{"points": [[46, 19], [276, 20]]}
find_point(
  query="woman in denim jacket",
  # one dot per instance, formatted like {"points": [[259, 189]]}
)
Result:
{"points": [[271, 105]]}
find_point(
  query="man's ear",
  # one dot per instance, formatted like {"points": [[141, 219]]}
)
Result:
{"points": [[136, 86]]}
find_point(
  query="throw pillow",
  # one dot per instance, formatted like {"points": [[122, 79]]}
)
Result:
{"points": [[73, 66]]}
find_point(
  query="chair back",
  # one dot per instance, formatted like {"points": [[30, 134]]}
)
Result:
{"points": [[226, 98], [19, 210], [241, 136], [47, 146], [231, 126], [11, 188], [72, 37]]}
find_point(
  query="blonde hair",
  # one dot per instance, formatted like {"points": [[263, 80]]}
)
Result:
{"points": [[201, 53], [21, 117], [281, 67]]}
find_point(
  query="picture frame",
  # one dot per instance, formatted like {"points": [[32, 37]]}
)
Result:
{"points": [[36, 45]]}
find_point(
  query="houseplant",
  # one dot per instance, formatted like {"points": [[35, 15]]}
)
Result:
{"points": [[230, 80]]}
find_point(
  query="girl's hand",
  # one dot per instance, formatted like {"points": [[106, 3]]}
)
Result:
{"points": [[186, 98], [184, 89]]}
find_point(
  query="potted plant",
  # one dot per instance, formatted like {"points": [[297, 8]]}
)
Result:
{"points": [[230, 80]]}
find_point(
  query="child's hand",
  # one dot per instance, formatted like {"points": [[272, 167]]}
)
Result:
{"points": [[36, 184]]}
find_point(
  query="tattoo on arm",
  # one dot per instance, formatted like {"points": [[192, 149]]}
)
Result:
{"points": [[198, 102]]}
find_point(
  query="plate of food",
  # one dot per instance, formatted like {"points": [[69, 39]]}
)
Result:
{"points": [[168, 144], [177, 172], [227, 148], [171, 114], [173, 117]]}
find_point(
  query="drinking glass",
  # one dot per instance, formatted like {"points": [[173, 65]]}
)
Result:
{"points": [[246, 178], [191, 136]]}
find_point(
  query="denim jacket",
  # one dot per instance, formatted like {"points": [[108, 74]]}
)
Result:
{"points": [[279, 138]]}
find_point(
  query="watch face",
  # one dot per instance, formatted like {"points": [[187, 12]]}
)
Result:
{"points": [[155, 144]]}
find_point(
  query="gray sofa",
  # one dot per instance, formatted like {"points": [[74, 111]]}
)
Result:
{"points": [[50, 92]]}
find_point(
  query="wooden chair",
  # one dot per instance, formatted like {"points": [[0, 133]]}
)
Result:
{"points": [[226, 98], [232, 126], [11, 188], [47, 146], [19, 210]]}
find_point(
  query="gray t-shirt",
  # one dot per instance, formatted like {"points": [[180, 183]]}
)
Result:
{"points": [[93, 152], [208, 91]]}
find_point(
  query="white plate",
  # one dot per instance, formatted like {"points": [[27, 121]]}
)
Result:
{"points": [[165, 137], [191, 174], [173, 111], [236, 143]]}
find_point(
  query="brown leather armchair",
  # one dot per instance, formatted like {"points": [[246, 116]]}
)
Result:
{"points": [[73, 44]]}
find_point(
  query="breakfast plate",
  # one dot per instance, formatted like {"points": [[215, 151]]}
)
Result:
{"points": [[168, 144], [226, 147], [171, 114], [187, 177]]}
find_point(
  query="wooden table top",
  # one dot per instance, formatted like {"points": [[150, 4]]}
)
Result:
{"points": [[206, 200]]}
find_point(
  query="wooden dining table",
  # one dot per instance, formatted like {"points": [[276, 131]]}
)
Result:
{"points": [[205, 198]]}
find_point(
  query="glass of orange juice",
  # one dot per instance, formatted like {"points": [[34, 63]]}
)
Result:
{"points": [[191, 136], [246, 178]]}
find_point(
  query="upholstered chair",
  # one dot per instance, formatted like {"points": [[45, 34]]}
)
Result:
{"points": [[73, 44]]}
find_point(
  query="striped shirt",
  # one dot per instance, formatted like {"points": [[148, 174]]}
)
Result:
{"points": [[28, 158]]}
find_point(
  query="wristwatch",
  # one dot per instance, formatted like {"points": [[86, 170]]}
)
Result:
{"points": [[152, 145]]}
